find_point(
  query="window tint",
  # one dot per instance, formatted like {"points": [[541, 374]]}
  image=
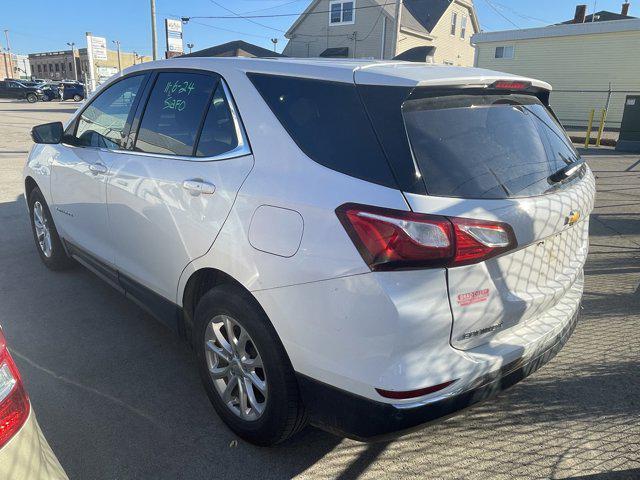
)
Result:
{"points": [[103, 122], [174, 113], [384, 106], [486, 145], [454, 20], [328, 122], [218, 133]]}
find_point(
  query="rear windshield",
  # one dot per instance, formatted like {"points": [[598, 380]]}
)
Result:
{"points": [[486, 145]]}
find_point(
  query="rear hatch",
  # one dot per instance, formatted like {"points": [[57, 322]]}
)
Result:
{"points": [[497, 153]]}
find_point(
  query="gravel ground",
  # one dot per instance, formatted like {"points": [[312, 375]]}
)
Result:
{"points": [[118, 396]]}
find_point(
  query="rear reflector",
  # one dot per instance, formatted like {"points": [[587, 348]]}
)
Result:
{"points": [[14, 402], [396, 239], [511, 85], [413, 393]]}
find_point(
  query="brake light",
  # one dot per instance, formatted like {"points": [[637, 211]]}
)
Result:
{"points": [[14, 402], [511, 85], [395, 239]]}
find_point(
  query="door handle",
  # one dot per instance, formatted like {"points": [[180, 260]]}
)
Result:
{"points": [[196, 187], [97, 168]]}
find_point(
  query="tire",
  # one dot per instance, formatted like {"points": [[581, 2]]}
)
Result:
{"points": [[32, 98], [77, 98], [283, 413], [51, 251]]}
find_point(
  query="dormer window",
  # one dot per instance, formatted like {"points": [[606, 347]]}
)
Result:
{"points": [[341, 13]]}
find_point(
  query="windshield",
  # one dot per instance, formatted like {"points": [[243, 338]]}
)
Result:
{"points": [[487, 145]]}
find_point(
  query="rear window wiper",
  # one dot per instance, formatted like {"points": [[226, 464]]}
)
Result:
{"points": [[566, 171]]}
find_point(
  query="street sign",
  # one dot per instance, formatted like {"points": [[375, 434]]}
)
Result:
{"points": [[99, 48], [173, 29]]}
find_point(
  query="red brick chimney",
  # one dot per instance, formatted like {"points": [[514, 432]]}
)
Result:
{"points": [[581, 13], [625, 8]]}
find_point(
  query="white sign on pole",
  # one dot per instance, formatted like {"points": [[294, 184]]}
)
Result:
{"points": [[99, 48], [174, 35]]}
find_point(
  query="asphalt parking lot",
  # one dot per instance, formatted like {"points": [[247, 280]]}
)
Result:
{"points": [[118, 396]]}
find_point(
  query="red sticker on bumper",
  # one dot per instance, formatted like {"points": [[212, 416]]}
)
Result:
{"points": [[478, 296]]}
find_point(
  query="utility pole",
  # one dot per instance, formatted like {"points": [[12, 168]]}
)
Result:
{"points": [[8, 67], [73, 59], [275, 42], [190, 46], [91, 85], [117, 42], [154, 36], [396, 34]]}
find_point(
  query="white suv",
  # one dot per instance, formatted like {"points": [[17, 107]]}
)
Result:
{"points": [[368, 246]]}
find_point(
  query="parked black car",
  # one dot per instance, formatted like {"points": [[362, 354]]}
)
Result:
{"points": [[19, 91], [50, 91]]}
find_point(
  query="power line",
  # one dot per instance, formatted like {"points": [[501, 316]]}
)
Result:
{"points": [[231, 31], [501, 14], [239, 16], [274, 15], [373, 27], [245, 18], [522, 15], [272, 8]]}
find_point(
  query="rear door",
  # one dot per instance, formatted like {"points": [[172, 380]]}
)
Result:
{"points": [[501, 156], [170, 194]]}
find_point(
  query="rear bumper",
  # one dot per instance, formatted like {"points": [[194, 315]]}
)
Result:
{"points": [[363, 419]]}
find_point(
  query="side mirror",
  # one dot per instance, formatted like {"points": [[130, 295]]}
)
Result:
{"points": [[50, 133]]}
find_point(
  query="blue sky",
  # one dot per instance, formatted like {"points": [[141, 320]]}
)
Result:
{"points": [[48, 25]]}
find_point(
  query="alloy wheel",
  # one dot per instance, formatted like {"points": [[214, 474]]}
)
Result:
{"points": [[43, 233], [236, 368]]}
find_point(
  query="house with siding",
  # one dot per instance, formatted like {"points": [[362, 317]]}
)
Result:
{"points": [[591, 62], [382, 29]]}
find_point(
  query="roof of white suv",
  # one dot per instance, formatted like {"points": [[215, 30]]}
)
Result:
{"points": [[370, 72]]}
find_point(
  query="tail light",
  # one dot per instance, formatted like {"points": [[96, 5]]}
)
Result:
{"points": [[394, 239], [14, 402]]}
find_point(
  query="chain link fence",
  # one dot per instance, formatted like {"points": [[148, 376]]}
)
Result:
{"points": [[574, 107]]}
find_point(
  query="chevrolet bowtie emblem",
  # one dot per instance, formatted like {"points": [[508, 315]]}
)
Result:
{"points": [[572, 218]]}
